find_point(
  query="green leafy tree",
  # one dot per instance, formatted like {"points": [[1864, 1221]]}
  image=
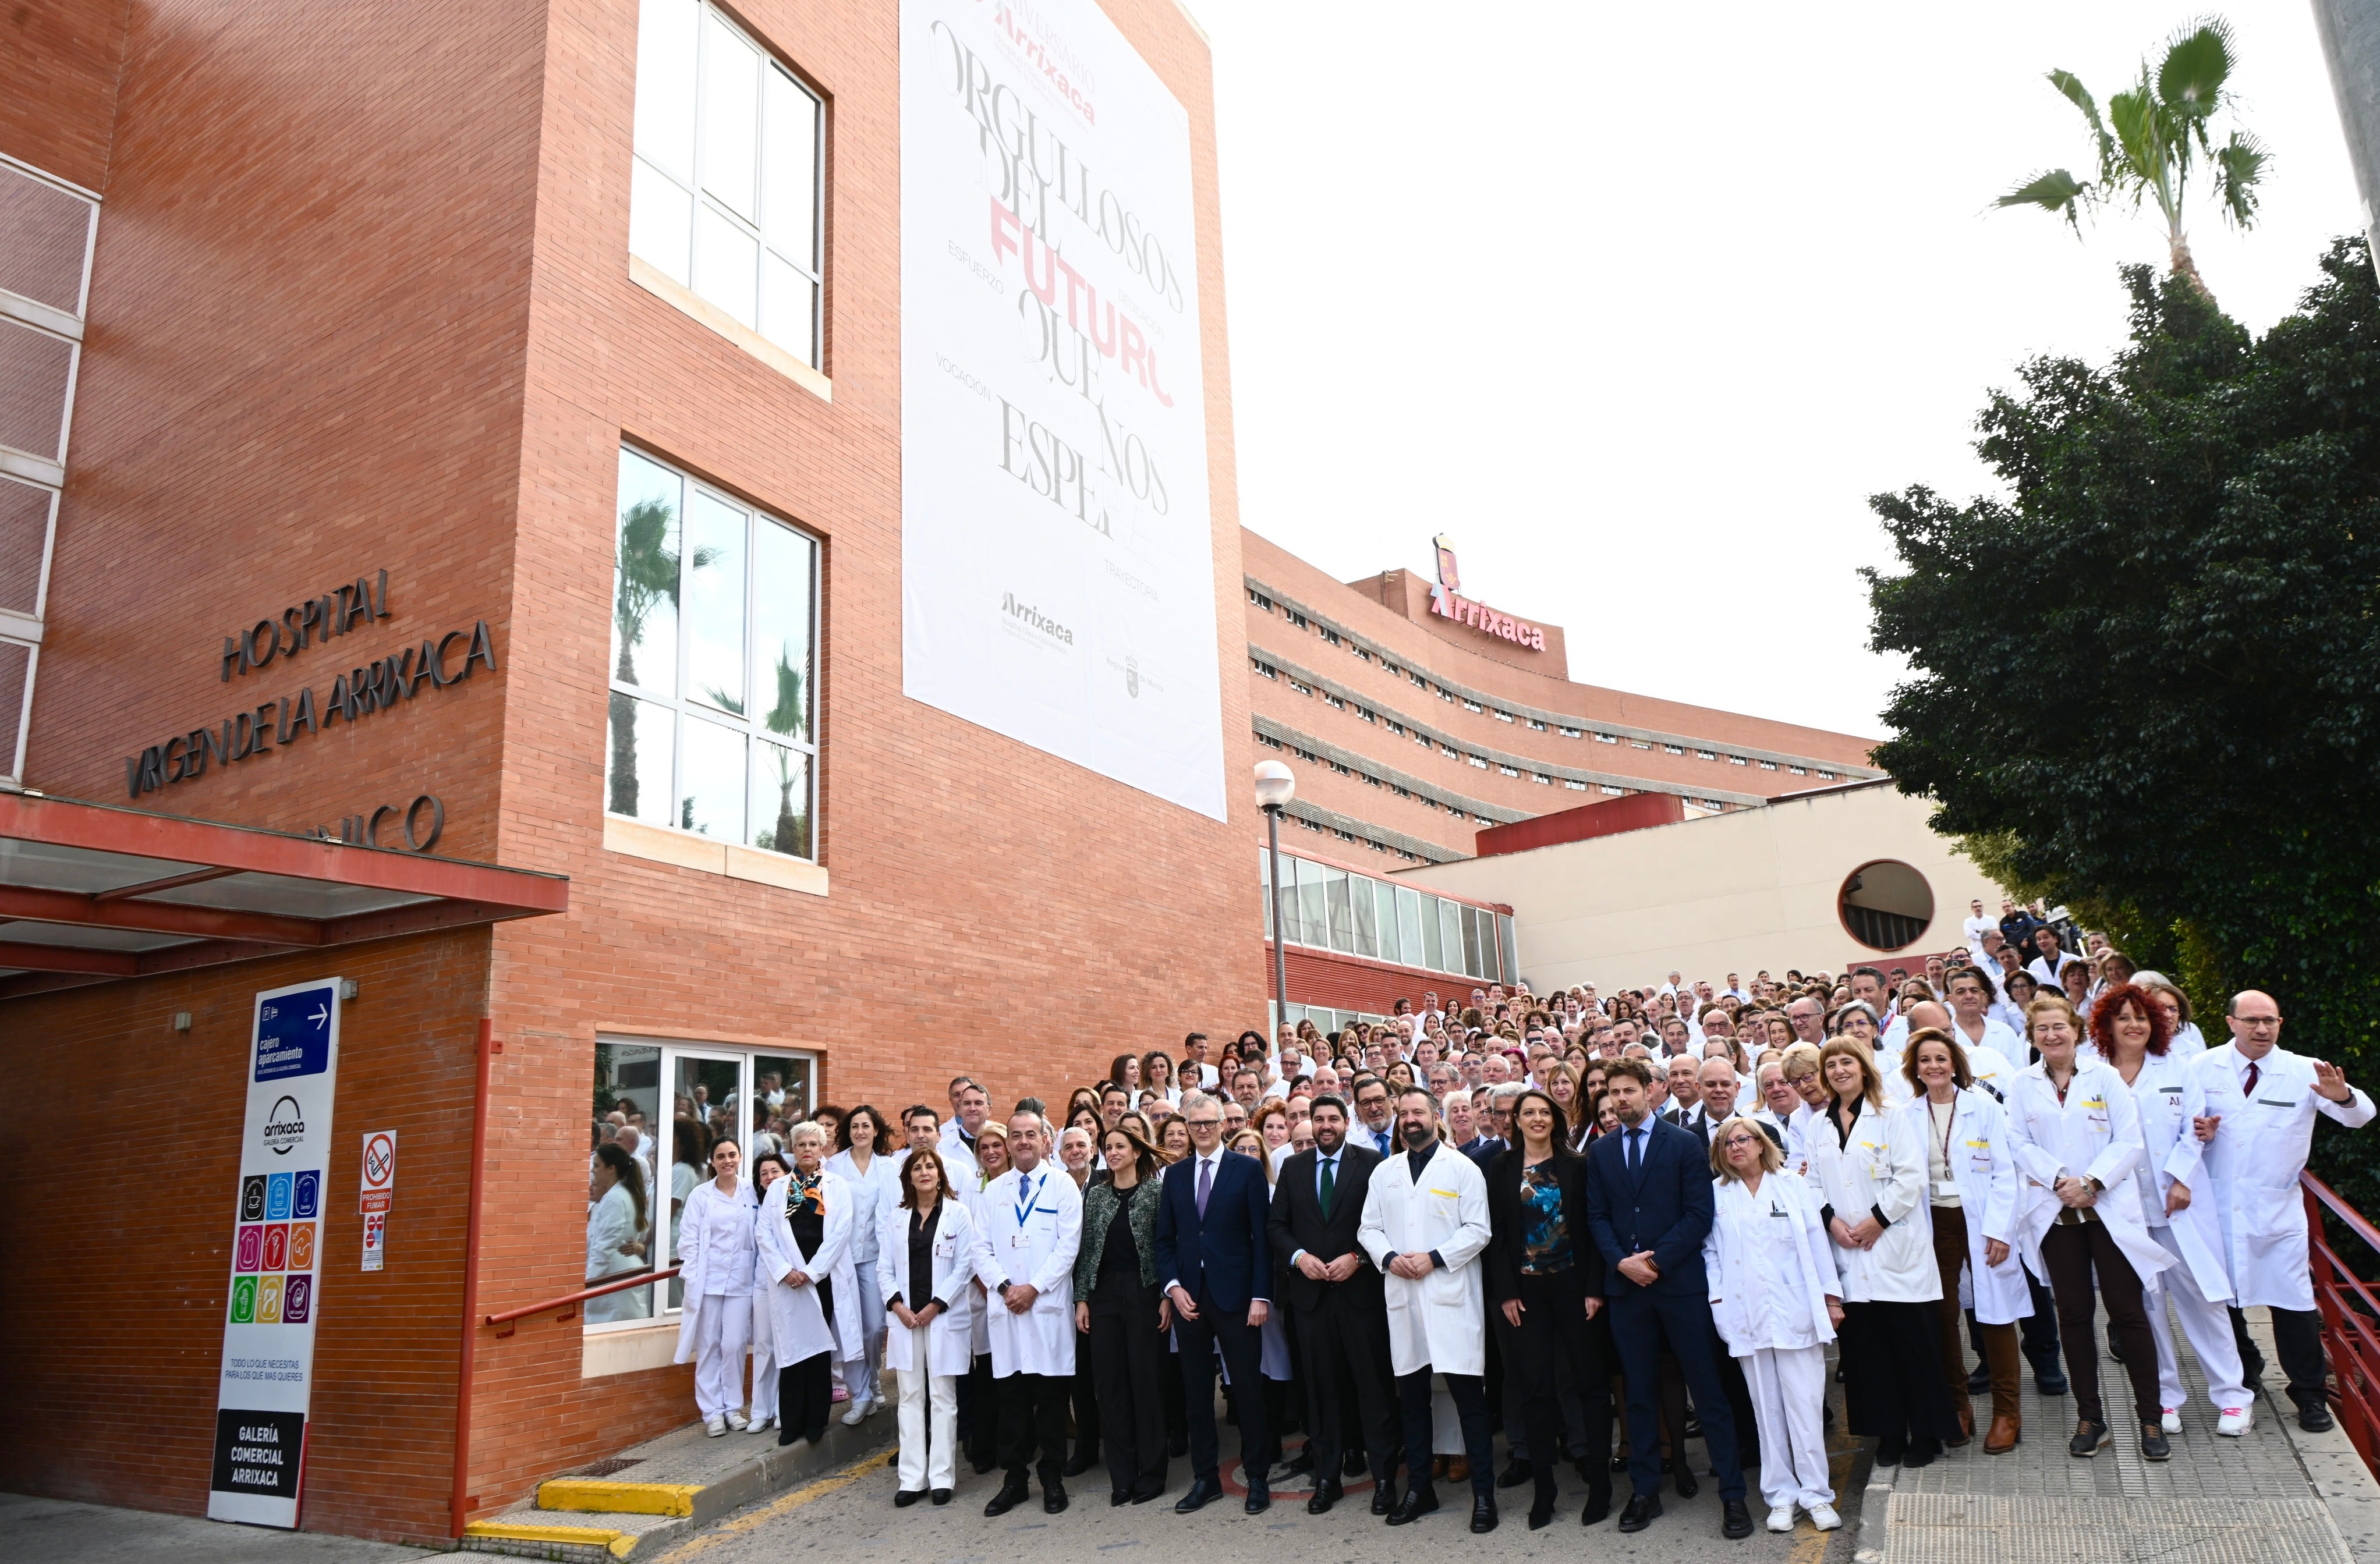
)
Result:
{"points": [[2153, 137], [2150, 675], [647, 576]]}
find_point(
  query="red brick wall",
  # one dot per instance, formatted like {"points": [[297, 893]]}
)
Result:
{"points": [[1612, 816], [1322, 977], [59, 111], [123, 1163]]}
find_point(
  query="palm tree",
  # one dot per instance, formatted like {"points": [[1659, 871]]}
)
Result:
{"points": [[647, 570], [792, 834], [2152, 136]]}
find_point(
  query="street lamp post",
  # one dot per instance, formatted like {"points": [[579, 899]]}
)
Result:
{"points": [[1276, 786]]}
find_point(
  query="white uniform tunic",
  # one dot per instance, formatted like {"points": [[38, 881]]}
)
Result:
{"points": [[2252, 1165], [1983, 1166], [1770, 1266], [1881, 1168], [2096, 1133], [795, 1317], [1031, 1226], [949, 1348], [1439, 1322]]}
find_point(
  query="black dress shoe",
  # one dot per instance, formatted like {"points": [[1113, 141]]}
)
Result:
{"points": [[1351, 1464], [1541, 1513], [907, 1496], [984, 1465], [1620, 1463], [1178, 1446], [1084, 1460], [1117, 1497], [1922, 1452], [1328, 1492], [1483, 1512], [1890, 1449], [1417, 1503], [1011, 1495], [2050, 1384], [1203, 1492], [2153, 1445], [1302, 1462], [1259, 1497], [1599, 1505], [1517, 1474], [1053, 1498], [1640, 1512], [1682, 1475], [1384, 1495], [1694, 1427], [2315, 1419], [1738, 1523], [1152, 1494], [941, 1496]]}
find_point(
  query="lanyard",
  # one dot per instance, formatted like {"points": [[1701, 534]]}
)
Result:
{"points": [[1947, 1124], [1025, 1207]]}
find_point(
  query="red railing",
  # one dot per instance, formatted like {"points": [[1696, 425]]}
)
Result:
{"points": [[568, 1302], [2350, 1320]]}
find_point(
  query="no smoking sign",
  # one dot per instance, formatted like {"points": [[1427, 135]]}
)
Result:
{"points": [[378, 1183]]}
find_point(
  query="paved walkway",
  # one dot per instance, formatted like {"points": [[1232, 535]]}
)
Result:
{"points": [[2256, 1500], [51, 1531]]}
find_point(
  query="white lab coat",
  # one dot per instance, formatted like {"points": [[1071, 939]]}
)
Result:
{"points": [[2252, 1165], [1439, 1322], [796, 1319], [1036, 1246], [2095, 1135], [1882, 1168], [1993, 1057], [611, 1222], [949, 1339], [2161, 1094], [1984, 1166], [716, 1250], [957, 1160], [1770, 1266], [872, 1193]]}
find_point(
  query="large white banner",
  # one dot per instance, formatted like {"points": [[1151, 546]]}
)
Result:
{"points": [[276, 1262], [1057, 565]]}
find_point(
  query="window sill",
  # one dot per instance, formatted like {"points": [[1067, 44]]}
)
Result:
{"points": [[671, 292], [628, 1352], [637, 840]]}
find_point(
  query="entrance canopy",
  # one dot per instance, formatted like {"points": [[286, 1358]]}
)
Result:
{"points": [[92, 893]]}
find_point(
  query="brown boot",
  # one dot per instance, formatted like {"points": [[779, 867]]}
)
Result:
{"points": [[2003, 1436], [1966, 1425]]}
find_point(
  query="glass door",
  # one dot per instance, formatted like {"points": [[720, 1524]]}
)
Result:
{"points": [[711, 1093]]}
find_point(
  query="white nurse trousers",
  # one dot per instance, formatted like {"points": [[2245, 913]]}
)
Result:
{"points": [[1789, 1395], [2209, 1326], [721, 1332], [922, 1470]]}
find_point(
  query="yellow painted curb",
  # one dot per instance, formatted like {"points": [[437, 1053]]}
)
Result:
{"points": [[593, 1496], [597, 1536]]}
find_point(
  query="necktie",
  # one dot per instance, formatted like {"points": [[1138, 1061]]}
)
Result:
{"points": [[1328, 1184], [1635, 1151], [1206, 1182], [2254, 1070]]}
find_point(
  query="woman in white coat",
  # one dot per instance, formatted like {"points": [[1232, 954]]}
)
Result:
{"points": [[875, 1189], [2076, 1138], [768, 1167], [715, 1255], [925, 1249], [805, 1245], [1776, 1300], [619, 1227], [1971, 1195], [1869, 1164], [2131, 1030]]}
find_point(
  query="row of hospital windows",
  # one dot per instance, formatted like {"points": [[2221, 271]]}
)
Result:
{"points": [[1328, 908]]}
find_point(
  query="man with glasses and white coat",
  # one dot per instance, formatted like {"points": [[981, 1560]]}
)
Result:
{"points": [[2253, 1105]]}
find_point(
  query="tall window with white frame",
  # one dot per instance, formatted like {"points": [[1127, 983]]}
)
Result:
{"points": [[728, 179], [714, 690]]}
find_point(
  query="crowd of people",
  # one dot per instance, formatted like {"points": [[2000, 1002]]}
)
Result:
{"points": [[1571, 1217]]}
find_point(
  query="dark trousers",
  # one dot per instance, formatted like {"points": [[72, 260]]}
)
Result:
{"points": [[805, 1392], [1342, 1345], [979, 1412], [2297, 1336], [1244, 1357], [1469, 1393], [1893, 1373], [1739, 1401], [1033, 1419], [1642, 1322], [2073, 1252], [1128, 1368], [1554, 1330], [1083, 1393]]}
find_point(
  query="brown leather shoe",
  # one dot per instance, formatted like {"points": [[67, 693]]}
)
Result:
{"points": [[2003, 1437], [1966, 1427], [1458, 1469]]}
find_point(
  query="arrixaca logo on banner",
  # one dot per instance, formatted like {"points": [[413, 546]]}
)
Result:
{"points": [[266, 1385]]}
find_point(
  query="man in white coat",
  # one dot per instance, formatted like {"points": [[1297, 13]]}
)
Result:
{"points": [[2253, 1105], [1032, 1225], [1425, 1225]]}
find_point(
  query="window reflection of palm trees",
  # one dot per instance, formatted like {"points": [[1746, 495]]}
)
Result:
{"points": [[648, 574]]}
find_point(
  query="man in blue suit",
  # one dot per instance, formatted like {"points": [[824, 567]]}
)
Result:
{"points": [[1217, 1272], [1649, 1209]]}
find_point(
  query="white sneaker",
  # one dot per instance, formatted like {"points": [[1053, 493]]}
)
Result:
{"points": [[1781, 1518], [2170, 1422], [735, 1421], [1822, 1516], [759, 1425], [2235, 1421], [858, 1412], [874, 1405], [717, 1425]]}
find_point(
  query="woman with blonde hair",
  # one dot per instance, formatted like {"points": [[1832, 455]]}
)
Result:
{"points": [[1870, 1165], [1775, 1298]]}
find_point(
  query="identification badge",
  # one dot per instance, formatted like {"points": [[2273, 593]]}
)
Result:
{"points": [[945, 1248], [1945, 1187], [1020, 1241]]}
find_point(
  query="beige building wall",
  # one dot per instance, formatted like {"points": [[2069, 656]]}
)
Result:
{"points": [[1735, 893]]}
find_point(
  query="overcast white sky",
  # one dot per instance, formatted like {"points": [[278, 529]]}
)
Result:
{"points": [[1640, 304]]}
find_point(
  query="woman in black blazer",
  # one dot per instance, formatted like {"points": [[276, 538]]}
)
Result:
{"points": [[1545, 1292]]}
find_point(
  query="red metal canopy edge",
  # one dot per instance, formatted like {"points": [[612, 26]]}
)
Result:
{"points": [[465, 893]]}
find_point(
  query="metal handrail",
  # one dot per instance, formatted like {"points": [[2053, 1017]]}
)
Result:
{"points": [[2349, 1313], [568, 1302]]}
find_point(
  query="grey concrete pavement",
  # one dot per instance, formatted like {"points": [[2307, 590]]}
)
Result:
{"points": [[48, 1531]]}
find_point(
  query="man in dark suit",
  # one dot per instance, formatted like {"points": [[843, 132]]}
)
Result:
{"points": [[1649, 1209], [1335, 1298], [1214, 1264], [1492, 1108]]}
